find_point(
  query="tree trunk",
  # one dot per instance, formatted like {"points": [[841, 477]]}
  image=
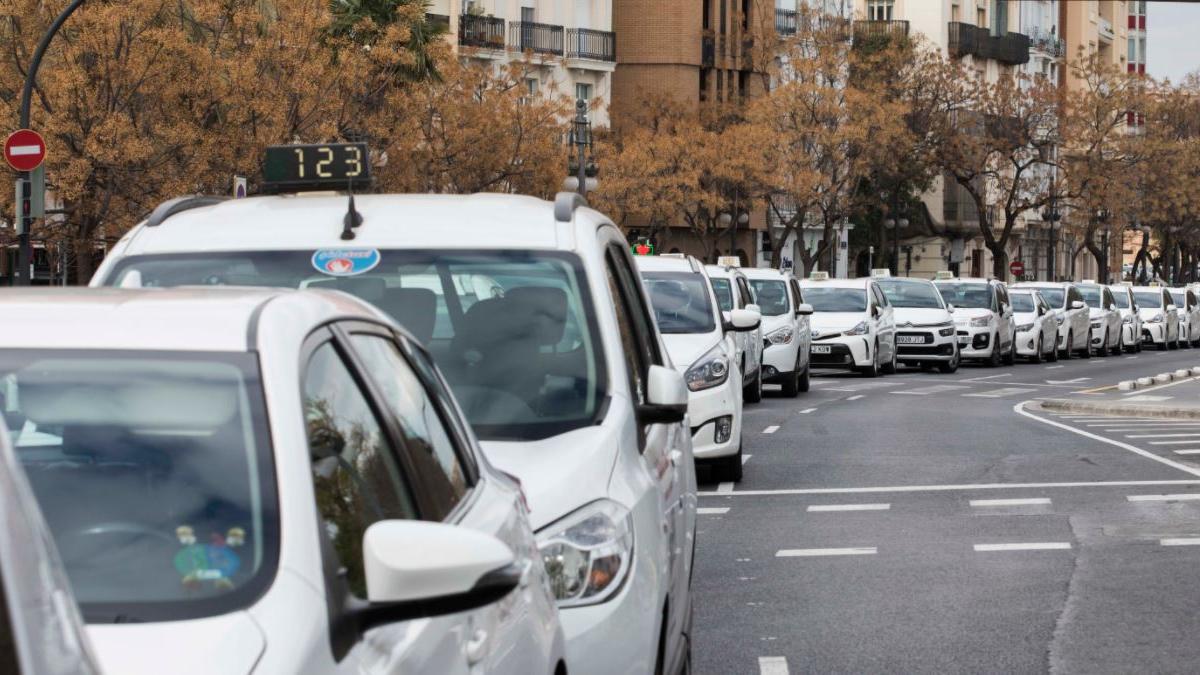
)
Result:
{"points": [[83, 258], [1098, 254], [999, 260]]}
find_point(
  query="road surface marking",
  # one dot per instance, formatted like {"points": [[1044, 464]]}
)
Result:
{"points": [[1144, 425], [1147, 399], [813, 552], [1053, 367], [933, 389], [940, 488], [1187, 452], [1020, 409], [746, 458], [1180, 541], [1131, 357], [807, 410], [713, 511], [1032, 546], [1162, 436], [1181, 497], [854, 398], [1171, 442], [1000, 393], [771, 429], [985, 378], [1010, 502], [1139, 392], [725, 488], [1074, 381], [772, 665], [819, 508]]}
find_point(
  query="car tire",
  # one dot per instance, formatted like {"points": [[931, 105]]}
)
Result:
{"points": [[1163, 346], [1037, 352], [873, 369], [804, 382], [1173, 344], [995, 359], [1052, 356], [948, 367], [1119, 348], [1067, 353], [890, 368], [1011, 357], [1086, 352], [754, 393], [729, 469], [1104, 351]]}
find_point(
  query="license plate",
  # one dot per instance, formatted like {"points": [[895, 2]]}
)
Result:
{"points": [[963, 339], [822, 349], [910, 339]]}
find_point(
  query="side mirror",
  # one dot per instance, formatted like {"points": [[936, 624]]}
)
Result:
{"points": [[950, 307], [743, 320], [666, 397], [1041, 311], [875, 311], [1077, 304], [804, 309], [416, 569]]}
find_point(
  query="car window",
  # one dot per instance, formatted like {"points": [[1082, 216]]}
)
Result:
{"points": [[1023, 302], [907, 293], [744, 292], [681, 302], [832, 299], [635, 347], [772, 296], [1148, 299], [432, 451], [880, 296], [1092, 296], [967, 295], [1055, 297], [1121, 299], [723, 289], [356, 475]]}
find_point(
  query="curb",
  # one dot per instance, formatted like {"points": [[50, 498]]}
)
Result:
{"points": [[1118, 408], [1161, 378]]}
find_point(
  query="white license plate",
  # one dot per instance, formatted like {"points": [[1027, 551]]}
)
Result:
{"points": [[963, 340], [910, 339], [822, 349]]}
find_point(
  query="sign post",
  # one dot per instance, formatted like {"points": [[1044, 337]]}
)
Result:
{"points": [[25, 150]]}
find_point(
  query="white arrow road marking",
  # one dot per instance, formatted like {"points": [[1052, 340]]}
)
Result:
{"points": [[21, 150]]}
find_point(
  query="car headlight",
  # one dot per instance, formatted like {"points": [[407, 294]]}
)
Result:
{"points": [[1157, 318], [860, 329], [946, 332], [981, 321], [710, 370], [1024, 327], [588, 554], [781, 336]]}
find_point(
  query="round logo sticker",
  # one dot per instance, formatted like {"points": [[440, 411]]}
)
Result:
{"points": [[345, 262]]}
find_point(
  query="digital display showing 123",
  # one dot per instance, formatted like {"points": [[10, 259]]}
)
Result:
{"points": [[327, 166]]}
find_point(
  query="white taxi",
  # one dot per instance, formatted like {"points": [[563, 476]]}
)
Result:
{"points": [[535, 313], [732, 290], [1187, 306], [1037, 327], [1106, 323], [703, 347], [1131, 319], [983, 318], [786, 331], [1160, 321], [925, 333], [267, 481], [1074, 325], [852, 324]]}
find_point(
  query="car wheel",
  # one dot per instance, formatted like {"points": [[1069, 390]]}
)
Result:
{"points": [[1173, 344], [1086, 352], [1120, 346], [890, 367], [1163, 346], [1052, 355], [1037, 352], [753, 393], [1067, 354], [994, 360], [950, 366], [1011, 357], [1103, 351], [873, 369], [805, 379], [729, 468]]}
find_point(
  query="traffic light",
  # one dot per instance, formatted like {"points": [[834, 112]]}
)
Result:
{"points": [[24, 204]]}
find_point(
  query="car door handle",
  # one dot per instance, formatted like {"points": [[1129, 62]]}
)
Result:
{"points": [[476, 648]]}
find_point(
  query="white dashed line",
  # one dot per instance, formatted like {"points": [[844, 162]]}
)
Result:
{"points": [[1187, 452], [746, 458], [1010, 502], [1183, 497], [1053, 367], [713, 511], [807, 410], [1000, 393], [854, 398], [1180, 541], [771, 429], [1033, 546], [942, 488], [725, 488], [1162, 436], [1171, 442], [814, 552], [820, 508], [772, 665]]}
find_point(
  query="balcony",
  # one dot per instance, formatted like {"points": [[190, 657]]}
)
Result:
{"points": [[1104, 29], [486, 32], [969, 39], [593, 45], [785, 21], [878, 33], [1047, 43], [539, 38]]}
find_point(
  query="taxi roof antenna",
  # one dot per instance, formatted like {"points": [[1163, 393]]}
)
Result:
{"points": [[353, 218]]}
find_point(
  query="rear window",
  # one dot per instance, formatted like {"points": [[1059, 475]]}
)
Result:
{"points": [[681, 302]]}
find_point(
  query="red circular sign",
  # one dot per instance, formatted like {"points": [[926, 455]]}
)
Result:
{"points": [[1017, 268], [24, 150]]}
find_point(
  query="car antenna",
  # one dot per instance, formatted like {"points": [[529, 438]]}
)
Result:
{"points": [[353, 218]]}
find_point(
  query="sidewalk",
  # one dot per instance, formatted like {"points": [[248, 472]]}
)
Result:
{"points": [[1155, 396]]}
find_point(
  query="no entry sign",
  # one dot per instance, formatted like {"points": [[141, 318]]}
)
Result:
{"points": [[24, 150], [1017, 268]]}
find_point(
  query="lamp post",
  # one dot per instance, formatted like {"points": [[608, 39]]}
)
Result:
{"points": [[895, 226], [1051, 218], [726, 220], [1102, 217], [583, 165]]}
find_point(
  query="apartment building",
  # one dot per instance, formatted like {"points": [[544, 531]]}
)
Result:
{"points": [[571, 44]]}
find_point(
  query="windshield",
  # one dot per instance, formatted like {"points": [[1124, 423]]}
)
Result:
{"points": [[154, 473], [771, 295], [513, 332], [1121, 298], [1055, 297], [1148, 299], [680, 302], [724, 292], [1022, 302], [830, 299], [1091, 296], [1179, 298], [916, 294], [967, 296]]}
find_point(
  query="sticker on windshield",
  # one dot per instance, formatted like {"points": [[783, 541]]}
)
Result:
{"points": [[345, 262]]}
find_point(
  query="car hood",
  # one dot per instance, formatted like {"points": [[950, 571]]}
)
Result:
{"points": [[825, 323], [230, 643], [1147, 312], [970, 312], [919, 316], [685, 348], [1025, 317], [770, 323], [561, 473], [1097, 313]]}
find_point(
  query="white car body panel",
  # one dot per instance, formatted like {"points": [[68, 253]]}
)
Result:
{"points": [[783, 360], [1072, 322], [878, 345]]}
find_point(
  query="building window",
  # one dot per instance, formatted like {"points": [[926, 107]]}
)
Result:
{"points": [[954, 13], [880, 10], [981, 17], [583, 91], [526, 15], [743, 78], [999, 17], [706, 9]]}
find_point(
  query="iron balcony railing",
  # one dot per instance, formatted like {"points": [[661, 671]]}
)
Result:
{"points": [[540, 38], [969, 39], [785, 21], [880, 29], [481, 31], [597, 45]]}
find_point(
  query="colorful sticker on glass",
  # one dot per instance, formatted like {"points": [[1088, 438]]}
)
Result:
{"points": [[215, 562], [345, 262]]}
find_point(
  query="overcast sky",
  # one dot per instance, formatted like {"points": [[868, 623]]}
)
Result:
{"points": [[1172, 39]]}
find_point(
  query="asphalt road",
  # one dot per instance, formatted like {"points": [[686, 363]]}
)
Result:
{"points": [[875, 529]]}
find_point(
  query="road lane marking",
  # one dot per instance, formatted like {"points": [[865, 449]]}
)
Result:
{"points": [[1180, 541], [1171, 442], [772, 665], [933, 389], [1053, 367], [985, 378], [939, 488], [1000, 393], [1031, 546], [1020, 409], [1181, 497], [771, 429], [1162, 436], [712, 511], [1074, 381], [1187, 452], [814, 552], [854, 398], [1029, 501], [746, 458], [807, 410], [725, 488], [820, 508], [1139, 392]]}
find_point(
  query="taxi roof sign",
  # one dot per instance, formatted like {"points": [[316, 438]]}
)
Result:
{"points": [[729, 261], [943, 274], [881, 272], [322, 166], [819, 276]]}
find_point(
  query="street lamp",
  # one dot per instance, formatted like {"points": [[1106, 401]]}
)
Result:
{"points": [[583, 165], [726, 220], [1051, 217], [1102, 217], [896, 226]]}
